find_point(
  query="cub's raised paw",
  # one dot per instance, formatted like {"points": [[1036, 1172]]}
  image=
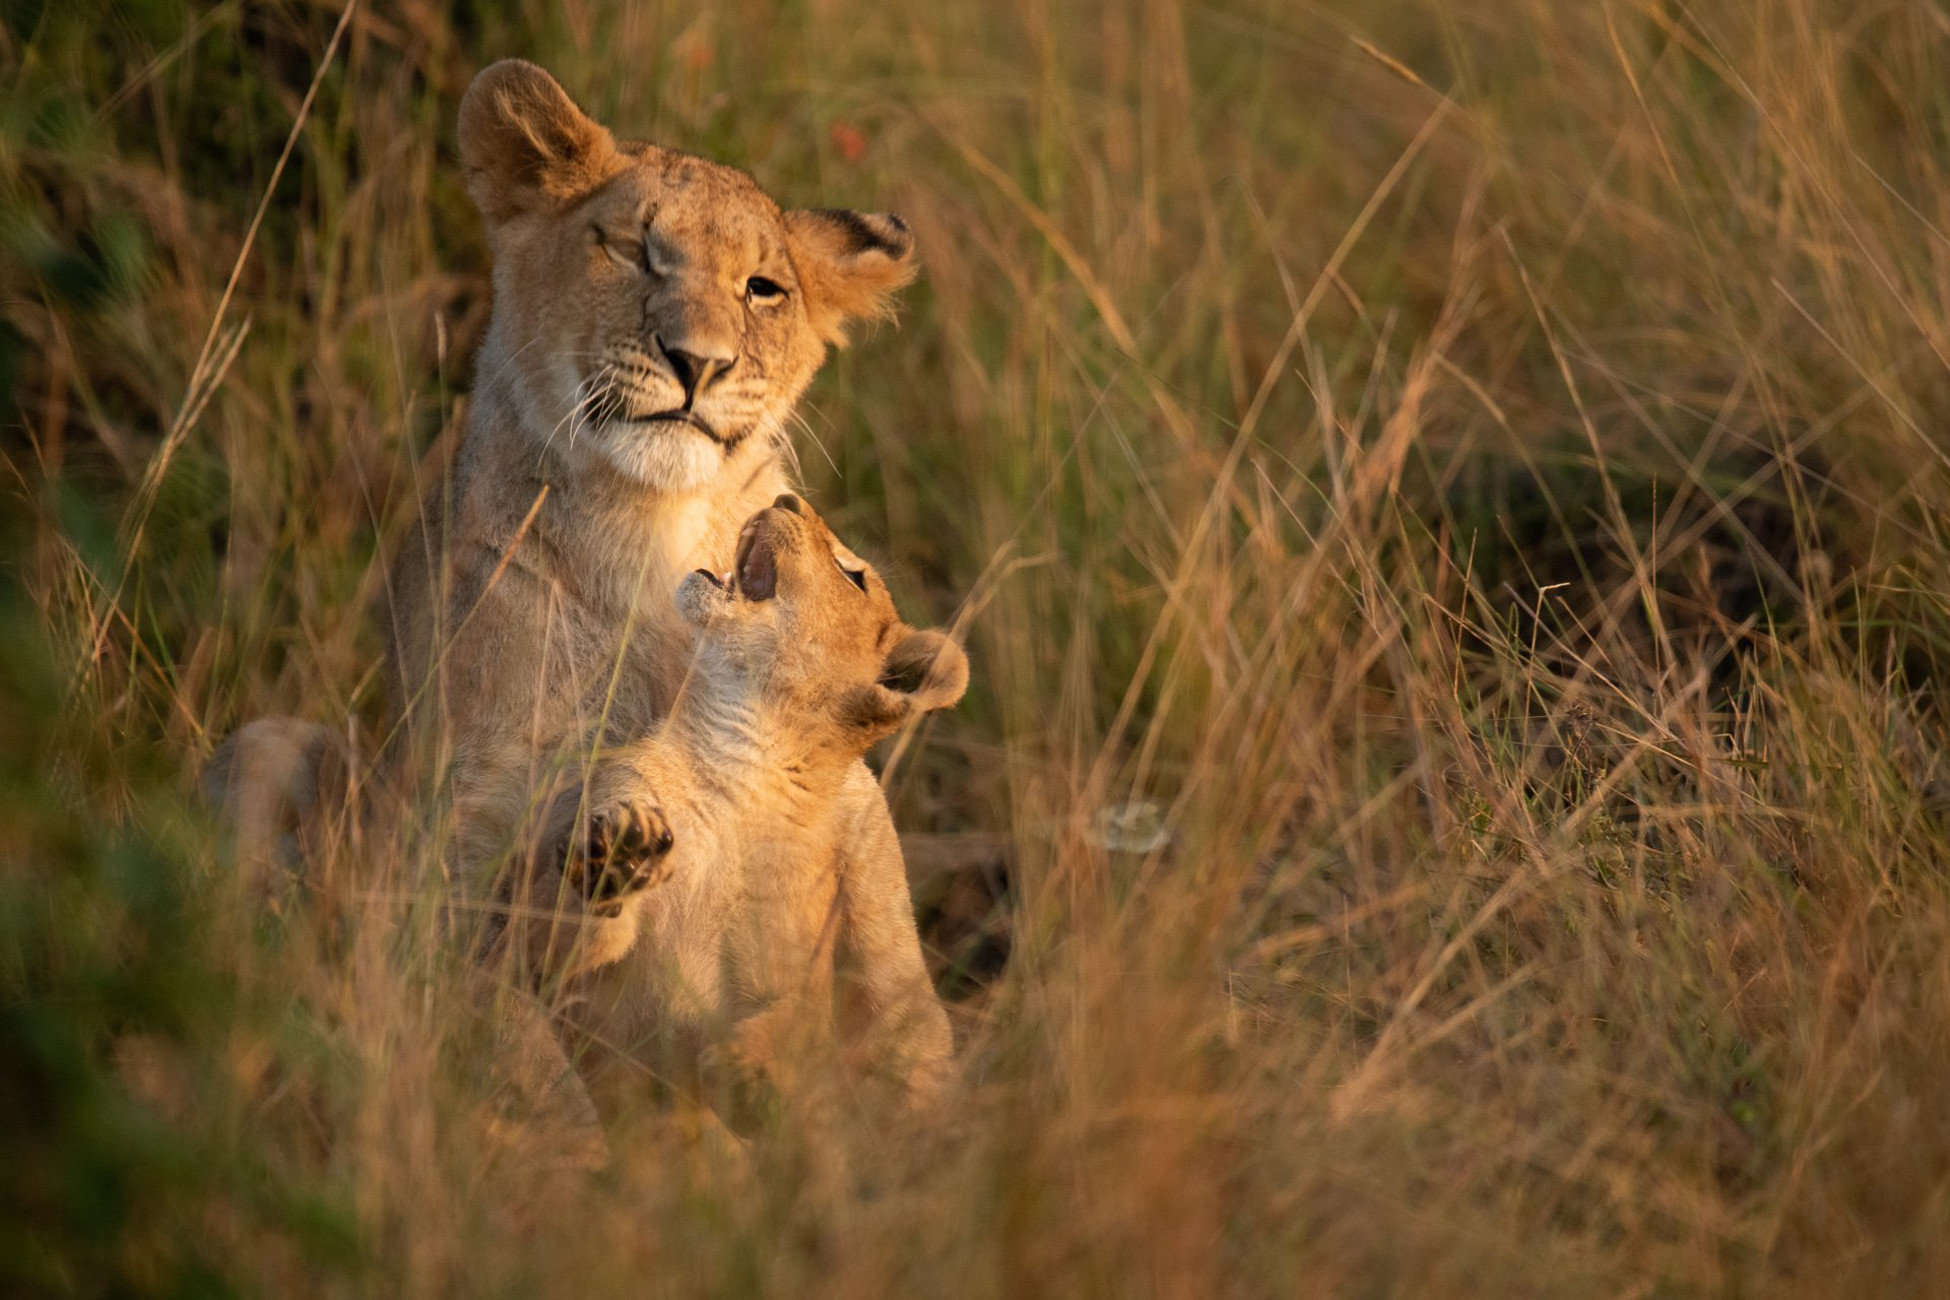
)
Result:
{"points": [[624, 847]]}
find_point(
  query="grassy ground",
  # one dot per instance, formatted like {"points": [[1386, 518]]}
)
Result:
{"points": [[1475, 469]]}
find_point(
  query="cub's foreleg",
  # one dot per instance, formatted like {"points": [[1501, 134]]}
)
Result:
{"points": [[621, 848], [571, 904], [895, 1028]]}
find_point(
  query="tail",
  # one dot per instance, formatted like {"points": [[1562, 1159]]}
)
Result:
{"points": [[273, 782]]}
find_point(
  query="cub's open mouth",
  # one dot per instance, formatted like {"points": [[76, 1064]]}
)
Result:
{"points": [[756, 570]]}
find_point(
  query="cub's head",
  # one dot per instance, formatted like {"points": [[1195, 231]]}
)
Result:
{"points": [[812, 626], [652, 308]]}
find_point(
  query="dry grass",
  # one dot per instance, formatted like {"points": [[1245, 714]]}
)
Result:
{"points": [[1475, 468]]}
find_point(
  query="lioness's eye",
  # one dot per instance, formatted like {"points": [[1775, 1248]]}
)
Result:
{"points": [[858, 577], [760, 289], [624, 252]]}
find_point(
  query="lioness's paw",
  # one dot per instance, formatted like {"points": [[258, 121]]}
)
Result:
{"points": [[624, 847]]}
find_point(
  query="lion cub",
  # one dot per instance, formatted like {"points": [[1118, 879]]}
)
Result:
{"points": [[735, 808]]}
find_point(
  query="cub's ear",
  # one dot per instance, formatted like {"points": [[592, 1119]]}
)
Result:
{"points": [[849, 265], [524, 144], [924, 671]]}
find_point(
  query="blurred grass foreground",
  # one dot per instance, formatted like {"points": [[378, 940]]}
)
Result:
{"points": [[1447, 500]]}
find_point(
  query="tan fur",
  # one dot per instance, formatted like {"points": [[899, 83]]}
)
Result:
{"points": [[277, 783], [705, 938], [533, 619]]}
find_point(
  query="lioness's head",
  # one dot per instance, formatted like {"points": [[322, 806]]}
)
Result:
{"points": [[813, 625], [654, 309]]}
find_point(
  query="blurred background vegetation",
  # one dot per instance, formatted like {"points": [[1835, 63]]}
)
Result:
{"points": [[1447, 502]]}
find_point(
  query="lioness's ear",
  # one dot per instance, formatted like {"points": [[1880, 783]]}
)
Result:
{"points": [[525, 145], [924, 671], [849, 265]]}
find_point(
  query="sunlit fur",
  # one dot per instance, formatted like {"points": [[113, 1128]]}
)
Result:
{"points": [[731, 953]]}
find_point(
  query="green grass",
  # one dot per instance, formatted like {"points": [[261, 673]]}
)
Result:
{"points": [[1477, 468]]}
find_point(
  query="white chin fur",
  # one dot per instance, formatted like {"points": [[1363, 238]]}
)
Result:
{"points": [[673, 459], [699, 599]]}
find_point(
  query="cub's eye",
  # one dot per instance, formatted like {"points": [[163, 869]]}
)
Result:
{"points": [[760, 289], [858, 577]]}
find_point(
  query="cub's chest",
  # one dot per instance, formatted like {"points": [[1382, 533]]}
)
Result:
{"points": [[788, 847]]}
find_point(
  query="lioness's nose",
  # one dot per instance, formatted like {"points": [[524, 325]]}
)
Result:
{"points": [[787, 502], [695, 369]]}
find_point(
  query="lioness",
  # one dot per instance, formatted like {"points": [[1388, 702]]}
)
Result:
{"points": [[735, 809], [655, 318]]}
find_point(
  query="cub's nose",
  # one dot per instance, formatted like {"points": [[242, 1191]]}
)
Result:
{"points": [[786, 502]]}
